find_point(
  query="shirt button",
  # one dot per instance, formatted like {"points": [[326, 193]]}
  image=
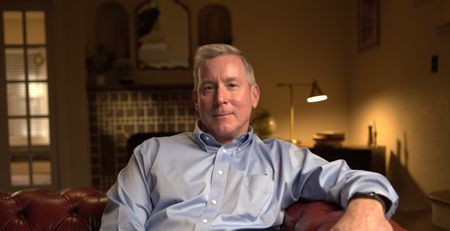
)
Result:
{"points": [[205, 221], [214, 202], [220, 172]]}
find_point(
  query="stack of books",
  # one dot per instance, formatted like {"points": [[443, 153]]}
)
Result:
{"points": [[329, 139]]}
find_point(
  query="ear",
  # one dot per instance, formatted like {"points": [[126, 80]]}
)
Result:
{"points": [[255, 93], [195, 99]]}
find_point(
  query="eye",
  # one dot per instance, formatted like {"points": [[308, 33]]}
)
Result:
{"points": [[232, 85], [207, 88]]}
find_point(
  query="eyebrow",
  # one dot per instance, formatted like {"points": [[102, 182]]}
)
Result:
{"points": [[231, 78], [227, 79], [206, 82]]}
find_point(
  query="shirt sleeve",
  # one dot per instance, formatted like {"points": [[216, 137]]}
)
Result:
{"points": [[129, 204], [318, 179]]}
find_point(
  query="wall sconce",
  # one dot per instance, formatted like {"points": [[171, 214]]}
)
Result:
{"points": [[315, 96]]}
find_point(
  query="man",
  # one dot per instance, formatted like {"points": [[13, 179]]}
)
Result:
{"points": [[221, 176]]}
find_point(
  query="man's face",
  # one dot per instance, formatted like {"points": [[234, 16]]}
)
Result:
{"points": [[224, 99]]}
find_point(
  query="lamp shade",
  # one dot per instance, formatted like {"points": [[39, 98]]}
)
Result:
{"points": [[316, 94]]}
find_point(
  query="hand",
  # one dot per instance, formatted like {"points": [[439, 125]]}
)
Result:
{"points": [[363, 214]]}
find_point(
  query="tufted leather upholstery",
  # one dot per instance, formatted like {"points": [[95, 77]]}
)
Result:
{"points": [[40, 209], [81, 209]]}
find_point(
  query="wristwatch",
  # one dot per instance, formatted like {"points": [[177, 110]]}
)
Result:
{"points": [[385, 202]]}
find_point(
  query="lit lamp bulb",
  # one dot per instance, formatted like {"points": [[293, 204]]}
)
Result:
{"points": [[317, 98]]}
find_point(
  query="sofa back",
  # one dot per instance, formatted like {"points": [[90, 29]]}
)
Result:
{"points": [[41, 209]]}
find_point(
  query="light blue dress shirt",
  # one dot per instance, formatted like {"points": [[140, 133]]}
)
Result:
{"points": [[191, 182]]}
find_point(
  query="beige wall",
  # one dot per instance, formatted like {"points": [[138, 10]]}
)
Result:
{"points": [[392, 84], [297, 41]]}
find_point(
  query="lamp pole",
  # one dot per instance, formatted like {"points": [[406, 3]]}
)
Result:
{"points": [[291, 104], [291, 114], [292, 108]]}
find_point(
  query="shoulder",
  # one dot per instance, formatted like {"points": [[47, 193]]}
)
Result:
{"points": [[181, 142], [276, 143], [282, 147], [180, 138], [153, 147]]}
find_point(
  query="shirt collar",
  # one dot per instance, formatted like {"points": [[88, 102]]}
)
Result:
{"points": [[208, 143]]}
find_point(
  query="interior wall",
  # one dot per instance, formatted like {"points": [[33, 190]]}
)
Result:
{"points": [[69, 73], [392, 86]]}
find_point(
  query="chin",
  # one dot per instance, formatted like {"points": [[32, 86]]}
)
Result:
{"points": [[224, 131]]}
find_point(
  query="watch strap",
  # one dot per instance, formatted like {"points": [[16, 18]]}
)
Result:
{"points": [[385, 202]]}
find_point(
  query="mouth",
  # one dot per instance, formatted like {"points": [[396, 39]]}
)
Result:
{"points": [[221, 115]]}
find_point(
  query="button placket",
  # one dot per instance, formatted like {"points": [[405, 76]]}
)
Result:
{"points": [[217, 188], [218, 178]]}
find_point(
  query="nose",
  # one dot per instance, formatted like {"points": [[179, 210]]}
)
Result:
{"points": [[221, 96]]}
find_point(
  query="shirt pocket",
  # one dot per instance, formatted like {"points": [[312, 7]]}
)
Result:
{"points": [[255, 194]]}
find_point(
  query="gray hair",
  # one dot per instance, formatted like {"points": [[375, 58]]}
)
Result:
{"points": [[210, 51]]}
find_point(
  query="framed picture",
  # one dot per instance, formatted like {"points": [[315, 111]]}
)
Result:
{"points": [[368, 23]]}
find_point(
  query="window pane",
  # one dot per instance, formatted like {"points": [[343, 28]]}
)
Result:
{"points": [[35, 27], [40, 134], [16, 99], [37, 64], [15, 64], [41, 168], [20, 171], [12, 27], [18, 132], [38, 98]]}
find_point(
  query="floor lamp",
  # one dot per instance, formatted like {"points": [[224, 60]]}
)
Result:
{"points": [[315, 96]]}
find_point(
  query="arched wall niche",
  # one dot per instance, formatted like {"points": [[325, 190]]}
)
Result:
{"points": [[112, 30], [214, 25]]}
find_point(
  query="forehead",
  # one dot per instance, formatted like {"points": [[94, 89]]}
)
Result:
{"points": [[223, 65]]}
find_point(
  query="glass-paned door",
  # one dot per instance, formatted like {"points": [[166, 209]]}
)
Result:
{"points": [[30, 140]]}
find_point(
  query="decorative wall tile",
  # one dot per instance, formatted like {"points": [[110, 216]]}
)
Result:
{"points": [[117, 114]]}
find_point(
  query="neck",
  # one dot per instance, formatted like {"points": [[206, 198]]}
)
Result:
{"points": [[221, 139]]}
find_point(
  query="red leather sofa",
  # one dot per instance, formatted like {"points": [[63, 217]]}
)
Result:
{"points": [[81, 209]]}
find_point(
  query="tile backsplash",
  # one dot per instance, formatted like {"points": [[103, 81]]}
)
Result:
{"points": [[115, 115]]}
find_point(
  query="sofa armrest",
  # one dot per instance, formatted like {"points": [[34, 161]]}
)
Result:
{"points": [[316, 216], [41, 209]]}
